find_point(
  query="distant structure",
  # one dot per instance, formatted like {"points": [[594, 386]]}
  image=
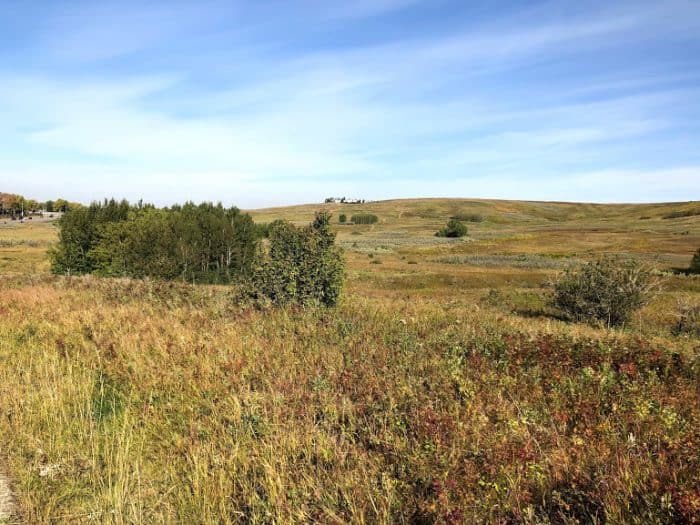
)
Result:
{"points": [[343, 200]]}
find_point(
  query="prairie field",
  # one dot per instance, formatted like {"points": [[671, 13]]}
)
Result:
{"points": [[443, 388]]}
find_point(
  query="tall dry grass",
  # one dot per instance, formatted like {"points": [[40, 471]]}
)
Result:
{"points": [[141, 402]]}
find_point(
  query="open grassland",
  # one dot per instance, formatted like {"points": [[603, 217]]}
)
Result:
{"points": [[442, 389], [23, 246]]}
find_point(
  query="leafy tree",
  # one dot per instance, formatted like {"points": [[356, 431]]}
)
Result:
{"points": [[342, 218], [454, 228], [608, 290]]}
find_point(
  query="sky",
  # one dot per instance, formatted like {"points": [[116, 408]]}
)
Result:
{"points": [[263, 102]]}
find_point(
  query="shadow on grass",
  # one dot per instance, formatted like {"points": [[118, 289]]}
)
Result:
{"points": [[683, 271]]}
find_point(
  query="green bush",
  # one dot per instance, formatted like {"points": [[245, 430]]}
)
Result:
{"points": [[364, 218], [342, 218], [299, 265], [695, 263], [454, 228], [608, 290]]}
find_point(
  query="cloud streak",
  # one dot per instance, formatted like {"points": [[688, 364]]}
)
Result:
{"points": [[169, 102]]}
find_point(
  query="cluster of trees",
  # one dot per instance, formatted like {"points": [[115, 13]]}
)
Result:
{"points": [[202, 243], [61, 205], [14, 205], [343, 200]]}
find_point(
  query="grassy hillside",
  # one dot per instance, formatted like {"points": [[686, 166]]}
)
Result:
{"points": [[442, 389]]}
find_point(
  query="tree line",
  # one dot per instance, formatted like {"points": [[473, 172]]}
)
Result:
{"points": [[15, 205], [202, 243]]}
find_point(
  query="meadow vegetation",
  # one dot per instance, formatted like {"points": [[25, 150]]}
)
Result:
{"points": [[432, 392]]}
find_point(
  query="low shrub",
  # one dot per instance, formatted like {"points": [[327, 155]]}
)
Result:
{"points": [[342, 218], [608, 290], [454, 228], [688, 319], [364, 218]]}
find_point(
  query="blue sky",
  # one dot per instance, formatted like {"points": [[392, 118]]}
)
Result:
{"points": [[261, 103]]}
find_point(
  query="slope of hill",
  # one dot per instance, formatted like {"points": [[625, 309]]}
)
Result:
{"points": [[518, 234]]}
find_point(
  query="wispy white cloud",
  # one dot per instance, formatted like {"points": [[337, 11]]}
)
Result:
{"points": [[367, 119]]}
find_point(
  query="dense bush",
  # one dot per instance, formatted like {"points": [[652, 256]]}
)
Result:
{"points": [[608, 290], [364, 218], [342, 218], [454, 228], [299, 265], [695, 263], [203, 243]]}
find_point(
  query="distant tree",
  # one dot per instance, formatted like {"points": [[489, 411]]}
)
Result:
{"points": [[342, 218], [30, 205], [48, 206], [61, 205], [454, 228]]}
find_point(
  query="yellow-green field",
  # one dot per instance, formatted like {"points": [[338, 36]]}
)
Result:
{"points": [[442, 389]]}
